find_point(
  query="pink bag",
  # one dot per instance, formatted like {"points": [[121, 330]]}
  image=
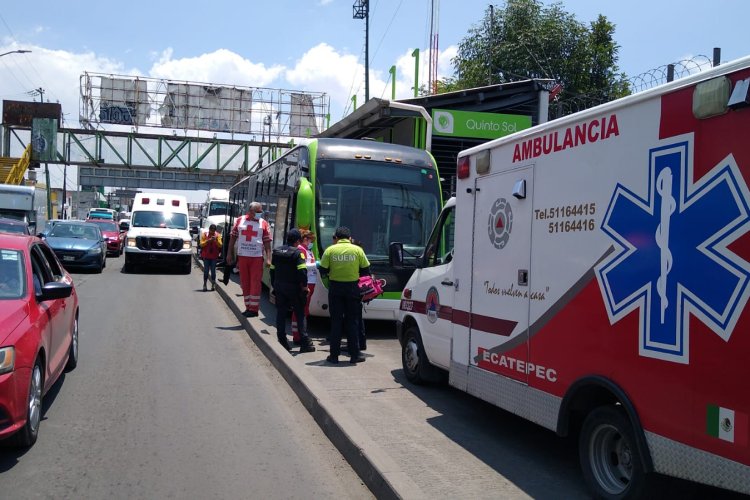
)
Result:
{"points": [[369, 288]]}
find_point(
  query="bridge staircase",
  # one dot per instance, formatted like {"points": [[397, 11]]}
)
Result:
{"points": [[12, 170]]}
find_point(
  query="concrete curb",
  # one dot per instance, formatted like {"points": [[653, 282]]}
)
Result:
{"points": [[376, 469]]}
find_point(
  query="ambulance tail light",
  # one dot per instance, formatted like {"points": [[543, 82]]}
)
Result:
{"points": [[462, 169], [406, 294]]}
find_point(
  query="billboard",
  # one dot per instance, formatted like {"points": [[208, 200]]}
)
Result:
{"points": [[21, 113], [302, 121], [206, 107], [124, 101]]}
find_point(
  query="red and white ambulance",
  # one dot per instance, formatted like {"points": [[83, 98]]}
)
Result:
{"points": [[592, 275]]}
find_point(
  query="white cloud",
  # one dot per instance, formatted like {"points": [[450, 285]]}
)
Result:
{"points": [[221, 66], [56, 71], [323, 69]]}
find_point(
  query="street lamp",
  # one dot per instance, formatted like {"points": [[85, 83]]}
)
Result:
{"points": [[19, 51]]}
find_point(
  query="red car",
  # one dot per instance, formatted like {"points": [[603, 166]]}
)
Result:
{"points": [[113, 234], [38, 332]]}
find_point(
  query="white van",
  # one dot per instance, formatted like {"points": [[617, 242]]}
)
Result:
{"points": [[159, 232]]}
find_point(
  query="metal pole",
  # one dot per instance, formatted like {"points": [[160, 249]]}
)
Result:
{"points": [[415, 55], [367, 50], [65, 193], [392, 71], [46, 167]]}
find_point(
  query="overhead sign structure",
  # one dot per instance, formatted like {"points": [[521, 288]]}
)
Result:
{"points": [[474, 124]]}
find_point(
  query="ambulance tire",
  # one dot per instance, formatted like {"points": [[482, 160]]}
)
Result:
{"points": [[609, 455], [417, 367]]}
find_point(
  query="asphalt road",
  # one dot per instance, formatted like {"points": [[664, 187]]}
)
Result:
{"points": [[171, 400]]}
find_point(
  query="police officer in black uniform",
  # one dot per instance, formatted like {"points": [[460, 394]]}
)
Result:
{"points": [[289, 280]]}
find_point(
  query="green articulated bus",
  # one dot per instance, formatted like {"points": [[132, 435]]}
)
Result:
{"points": [[382, 192]]}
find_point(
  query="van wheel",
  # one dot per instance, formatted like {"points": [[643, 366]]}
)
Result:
{"points": [[413, 357], [609, 455], [26, 437], [188, 265], [128, 266]]}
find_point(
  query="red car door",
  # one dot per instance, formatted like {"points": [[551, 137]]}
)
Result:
{"points": [[58, 312]]}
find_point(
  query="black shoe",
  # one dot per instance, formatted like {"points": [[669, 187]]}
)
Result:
{"points": [[363, 347], [358, 359], [204, 287], [332, 360], [250, 314], [225, 278], [297, 342], [285, 345], [307, 348]]}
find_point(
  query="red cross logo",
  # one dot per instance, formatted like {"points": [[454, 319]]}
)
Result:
{"points": [[248, 232]]}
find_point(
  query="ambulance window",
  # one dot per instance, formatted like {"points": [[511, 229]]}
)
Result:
{"points": [[440, 246]]}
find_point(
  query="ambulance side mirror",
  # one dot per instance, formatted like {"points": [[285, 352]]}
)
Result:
{"points": [[396, 254]]}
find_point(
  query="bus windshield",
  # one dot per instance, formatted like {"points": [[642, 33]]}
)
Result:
{"points": [[380, 202]]}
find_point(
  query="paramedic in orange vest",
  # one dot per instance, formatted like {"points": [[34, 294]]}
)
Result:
{"points": [[252, 234]]}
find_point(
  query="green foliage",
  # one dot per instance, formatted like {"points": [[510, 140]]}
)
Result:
{"points": [[526, 40]]}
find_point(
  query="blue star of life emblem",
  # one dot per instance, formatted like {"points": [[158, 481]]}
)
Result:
{"points": [[671, 258]]}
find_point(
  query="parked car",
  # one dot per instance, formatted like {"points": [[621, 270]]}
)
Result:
{"points": [[113, 234], [38, 332], [13, 226], [78, 244]]}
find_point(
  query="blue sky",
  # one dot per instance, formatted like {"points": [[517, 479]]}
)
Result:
{"points": [[312, 45]]}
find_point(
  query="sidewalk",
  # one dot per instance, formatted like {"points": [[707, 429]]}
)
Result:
{"points": [[398, 443]]}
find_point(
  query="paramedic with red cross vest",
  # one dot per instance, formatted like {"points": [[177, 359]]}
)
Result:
{"points": [[344, 263], [252, 234]]}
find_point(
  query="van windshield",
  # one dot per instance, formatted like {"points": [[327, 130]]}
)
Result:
{"points": [[159, 219]]}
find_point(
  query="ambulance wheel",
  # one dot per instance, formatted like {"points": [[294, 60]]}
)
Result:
{"points": [[413, 358], [609, 455]]}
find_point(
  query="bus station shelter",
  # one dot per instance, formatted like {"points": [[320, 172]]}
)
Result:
{"points": [[460, 120]]}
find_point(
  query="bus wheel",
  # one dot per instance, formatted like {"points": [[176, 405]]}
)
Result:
{"points": [[413, 357], [609, 455]]}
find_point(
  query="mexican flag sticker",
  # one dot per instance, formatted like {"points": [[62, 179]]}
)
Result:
{"points": [[726, 424]]}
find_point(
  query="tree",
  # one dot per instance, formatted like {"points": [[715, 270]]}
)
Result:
{"points": [[526, 40]]}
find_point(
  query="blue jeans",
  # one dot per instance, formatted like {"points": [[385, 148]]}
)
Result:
{"points": [[209, 265], [346, 312]]}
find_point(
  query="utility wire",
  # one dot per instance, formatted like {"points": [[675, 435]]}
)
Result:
{"points": [[31, 65]]}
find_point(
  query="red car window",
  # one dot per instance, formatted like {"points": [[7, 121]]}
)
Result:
{"points": [[12, 276]]}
